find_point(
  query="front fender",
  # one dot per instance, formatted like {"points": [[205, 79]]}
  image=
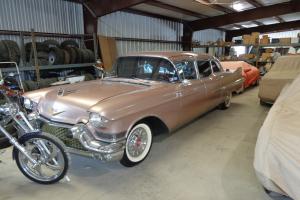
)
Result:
{"points": [[21, 141]]}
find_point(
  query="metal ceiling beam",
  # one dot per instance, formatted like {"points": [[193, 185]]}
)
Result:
{"points": [[216, 7], [227, 10], [265, 29], [104, 7], [148, 14], [258, 4], [247, 15], [175, 9]]}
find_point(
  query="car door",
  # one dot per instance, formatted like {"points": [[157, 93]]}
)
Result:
{"points": [[211, 81], [191, 91]]}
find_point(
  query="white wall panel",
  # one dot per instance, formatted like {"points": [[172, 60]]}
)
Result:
{"points": [[128, 25], [56, 16]]}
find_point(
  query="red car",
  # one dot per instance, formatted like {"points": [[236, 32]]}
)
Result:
{"points": [[250, 73]]}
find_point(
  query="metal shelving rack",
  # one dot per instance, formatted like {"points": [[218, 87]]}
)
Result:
{"points": [[248, 46], [25, 67]]}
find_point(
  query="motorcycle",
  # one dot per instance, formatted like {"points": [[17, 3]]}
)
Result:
{"points": [[40, 156]]}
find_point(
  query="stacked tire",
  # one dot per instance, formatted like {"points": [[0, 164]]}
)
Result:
{"points": [[9, 51], [74, 54], [49, 52], [42, 53]]}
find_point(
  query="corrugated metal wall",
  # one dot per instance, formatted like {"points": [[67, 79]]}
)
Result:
{"points": [[292, 34], [54, 16], [128, 25], [209, 35]]}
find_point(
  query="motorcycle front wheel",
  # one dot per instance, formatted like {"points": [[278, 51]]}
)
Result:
{"points": [[50, 154]]}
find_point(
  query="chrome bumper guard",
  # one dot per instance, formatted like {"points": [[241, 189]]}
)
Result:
{"points": [[108, 151]]}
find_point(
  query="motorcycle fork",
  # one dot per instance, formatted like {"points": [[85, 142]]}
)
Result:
{"points": [[15, 143]]}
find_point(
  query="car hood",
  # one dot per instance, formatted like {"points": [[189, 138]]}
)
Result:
{"points": [[71, 103]]}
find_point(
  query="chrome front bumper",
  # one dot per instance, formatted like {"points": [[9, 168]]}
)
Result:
{"points": [[106, 151]]}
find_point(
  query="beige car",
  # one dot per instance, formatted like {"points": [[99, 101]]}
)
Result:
{"points": [[148, 93], [283, 72]]}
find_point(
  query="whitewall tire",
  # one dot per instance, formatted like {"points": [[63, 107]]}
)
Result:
{"points": [[138, 145]]}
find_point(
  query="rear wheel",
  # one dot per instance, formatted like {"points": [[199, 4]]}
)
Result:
{"points": [[227, 101], [138, 145]]}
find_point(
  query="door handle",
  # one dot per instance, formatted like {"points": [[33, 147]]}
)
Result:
{"points": [[178, 94]]}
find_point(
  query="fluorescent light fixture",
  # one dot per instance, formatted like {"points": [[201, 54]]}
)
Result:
{"points": [[238, 6], [203, 2], [249, 25]]}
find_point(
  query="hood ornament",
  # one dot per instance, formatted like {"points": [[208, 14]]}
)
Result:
{"points": [[60, 92], [63, 92]]}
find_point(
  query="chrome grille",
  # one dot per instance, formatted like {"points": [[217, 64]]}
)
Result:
{"points": [[62, 133]]}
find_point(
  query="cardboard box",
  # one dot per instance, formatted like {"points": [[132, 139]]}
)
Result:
{"points": [[266, 56], [269, 50], [247, 56], [254, 40], [246, 39], [285, 40], [264, 41], [255, 34]]}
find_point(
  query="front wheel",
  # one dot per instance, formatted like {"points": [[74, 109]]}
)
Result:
{"points": [[138, 145], [48, 152]]}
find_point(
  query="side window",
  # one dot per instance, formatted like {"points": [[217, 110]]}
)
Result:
{"points": [[215, 67], [204, 68], [166, 72], [187, 68]]}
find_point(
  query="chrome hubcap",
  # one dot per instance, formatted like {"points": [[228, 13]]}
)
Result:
{"points": [[228, 99], [137, 142]]}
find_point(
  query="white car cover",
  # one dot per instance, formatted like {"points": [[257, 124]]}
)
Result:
{"points": [[277, 152], [285, 70]]}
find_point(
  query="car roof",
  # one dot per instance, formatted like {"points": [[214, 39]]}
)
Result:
{"points": [[172, 55]]}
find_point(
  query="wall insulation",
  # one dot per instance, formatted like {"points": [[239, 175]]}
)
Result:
{"points": [[128, 25], [54, 16]]}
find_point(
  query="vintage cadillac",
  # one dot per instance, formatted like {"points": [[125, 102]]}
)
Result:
{"points": [[148, 93]]}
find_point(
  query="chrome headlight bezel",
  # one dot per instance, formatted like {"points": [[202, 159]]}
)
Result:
{"points": [[29, 104], [97, 120]]}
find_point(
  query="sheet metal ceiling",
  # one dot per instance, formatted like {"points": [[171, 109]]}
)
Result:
{"points": [[162, 11], [196, 7]]}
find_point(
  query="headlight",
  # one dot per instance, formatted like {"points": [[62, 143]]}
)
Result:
{"points": [[30, 105], [97, 120]]}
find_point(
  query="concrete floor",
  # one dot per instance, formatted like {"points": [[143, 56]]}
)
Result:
{"points": [[211, 159]]}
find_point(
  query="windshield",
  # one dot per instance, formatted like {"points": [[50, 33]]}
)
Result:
{"points": [[147, 68]]}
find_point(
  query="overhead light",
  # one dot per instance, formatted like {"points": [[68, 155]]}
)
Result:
{"points": [[203, 2], [236, 28], [249, 25], [238, 6]]}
